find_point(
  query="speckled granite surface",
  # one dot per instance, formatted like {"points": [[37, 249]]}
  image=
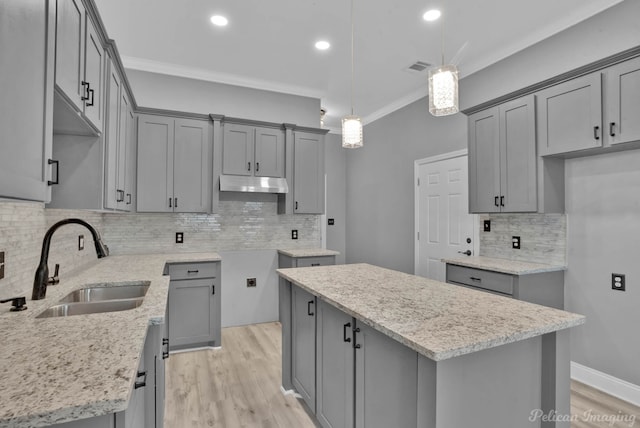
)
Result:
{"points": [[308, 252], [438, 320], [60, 369], [512, 267]]}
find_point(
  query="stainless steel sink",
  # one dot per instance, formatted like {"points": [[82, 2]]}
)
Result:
{"points": [[113, 291], [84, 308]]}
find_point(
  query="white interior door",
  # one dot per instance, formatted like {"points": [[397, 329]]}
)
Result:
{"points": [[445, 229]]}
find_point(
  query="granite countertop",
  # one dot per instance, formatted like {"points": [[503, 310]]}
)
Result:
{"points": [[308, 252], [512, 267], [438, 320], [56, 370]]}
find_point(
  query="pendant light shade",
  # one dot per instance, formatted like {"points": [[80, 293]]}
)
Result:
{"points": [[352, 125], [443, 90], [352, 132]]}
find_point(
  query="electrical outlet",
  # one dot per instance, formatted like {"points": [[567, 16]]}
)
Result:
{"points": [[294, 234], [1, 264], [331, 222], [617, 281], [80, 242], [515, 242], [251, 282], [179, 237], [487, 225]]}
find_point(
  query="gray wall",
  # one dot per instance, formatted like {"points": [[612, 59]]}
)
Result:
{"points": [[336, 170], [380, 189], [603, 208], [197, 96]]}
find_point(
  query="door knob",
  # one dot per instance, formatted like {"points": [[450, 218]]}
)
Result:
{"points": [[468, 252]]}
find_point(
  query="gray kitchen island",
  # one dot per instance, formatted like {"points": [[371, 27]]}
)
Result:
{"points": [[371, 347]]}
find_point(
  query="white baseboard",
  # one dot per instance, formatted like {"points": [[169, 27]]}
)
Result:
{"points": [[606, 383]]}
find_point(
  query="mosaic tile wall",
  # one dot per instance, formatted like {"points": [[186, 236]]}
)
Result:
{"points": [[22, 228], [238, 225], [543, 237]]}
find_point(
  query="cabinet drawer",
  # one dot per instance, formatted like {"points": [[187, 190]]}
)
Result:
{"points": [[492, 281], [315, 261], [193, 270]]}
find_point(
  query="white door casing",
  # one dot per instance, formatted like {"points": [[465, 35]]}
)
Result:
{"points": [[442, 219]]}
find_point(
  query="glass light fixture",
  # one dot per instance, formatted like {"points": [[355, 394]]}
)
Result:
{"points": [[443, 87], [352, 132], [219, 20], [443, 90]]}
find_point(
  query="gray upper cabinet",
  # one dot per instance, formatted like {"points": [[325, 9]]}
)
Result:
{"points": [[252, 151], [308, 173], [80, 64], [570, 116], [25, 116], [335, 368], [173, 165], [502, 158], [622, 93], [303, 340]]}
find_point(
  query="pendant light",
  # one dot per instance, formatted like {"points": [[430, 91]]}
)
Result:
{"points": [[352, 124], [443, 87]]}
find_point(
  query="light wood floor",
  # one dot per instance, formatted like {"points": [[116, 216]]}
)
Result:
{"points": [[239, 386]]}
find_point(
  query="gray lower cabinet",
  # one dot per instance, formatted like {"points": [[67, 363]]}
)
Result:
{"points": [[542, 288], [303, 350], [386, 385], [334, 368], [286, 261], [502, 158], [174, 165], [194, 305]]}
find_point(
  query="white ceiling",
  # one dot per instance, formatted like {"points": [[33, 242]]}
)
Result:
{"points": [[269, 44]]}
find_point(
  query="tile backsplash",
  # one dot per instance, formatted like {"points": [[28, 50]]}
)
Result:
{"points": [[543, 237], [242, 222]]}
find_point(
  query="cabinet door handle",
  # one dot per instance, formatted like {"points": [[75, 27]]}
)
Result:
{"points": [[129, 198], [90, 103], [257, 166], [356, 345], [296, 205], [309, 303], [596, 132], [248, 166], [165, 354], [57, 164], [120, 195], [344, 332], [213, 290], [170, 199], [144, 381], [175, 202], [473, 278], [502, 201], [612, 129], [495, 201], [85, 96]]}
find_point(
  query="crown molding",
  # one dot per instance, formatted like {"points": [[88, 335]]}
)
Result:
{"points": [[158, 67], [396, 105]]}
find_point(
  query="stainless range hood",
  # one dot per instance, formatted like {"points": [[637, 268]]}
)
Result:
{"points": [[239, 183]]}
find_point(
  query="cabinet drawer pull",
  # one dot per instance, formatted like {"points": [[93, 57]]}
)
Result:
{"points": [[315, 264], [495, 201], [144, 381], [356, 345], [612, 129], [193, 271], [309, 303], [473, 278], [57, 164], [90, 103], [344, 332], [596, 132], [502, 201]]}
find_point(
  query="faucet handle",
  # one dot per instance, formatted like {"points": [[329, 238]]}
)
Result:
{"points": [[17, 303], [54, 279]]}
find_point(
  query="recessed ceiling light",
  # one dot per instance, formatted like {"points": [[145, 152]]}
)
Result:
{"points": [[322, 45], [431, 15], [219, 20]]}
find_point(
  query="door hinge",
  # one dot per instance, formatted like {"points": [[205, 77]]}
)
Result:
{"points": [[418, 236], [418, 181]]}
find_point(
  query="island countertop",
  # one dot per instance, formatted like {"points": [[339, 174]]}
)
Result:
{"points": [[512, 267], [56, 370], [438, 320]]}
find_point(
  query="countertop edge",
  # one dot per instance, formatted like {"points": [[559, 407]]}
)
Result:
{"points": [[500, 265]]}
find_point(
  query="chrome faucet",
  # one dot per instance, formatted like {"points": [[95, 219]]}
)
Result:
{"points": [[42, 272]]}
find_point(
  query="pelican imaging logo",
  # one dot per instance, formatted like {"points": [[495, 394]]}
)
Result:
{"points": [[589, 415]]}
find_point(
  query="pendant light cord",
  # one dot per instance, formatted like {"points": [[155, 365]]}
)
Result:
{"points": [[442, 39], [352, 57]]}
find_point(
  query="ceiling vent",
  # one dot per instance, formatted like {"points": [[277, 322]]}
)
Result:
{"points": [[418, 67]]}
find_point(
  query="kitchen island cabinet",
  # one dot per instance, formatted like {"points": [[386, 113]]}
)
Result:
{"points": [[455, 344]]}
